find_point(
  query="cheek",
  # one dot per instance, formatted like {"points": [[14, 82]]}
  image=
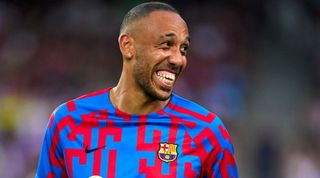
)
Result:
{"points": [[184, 64], [143, 64], [159, 53]]}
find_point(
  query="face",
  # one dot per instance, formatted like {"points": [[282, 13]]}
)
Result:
{"points": [[160, 45]]}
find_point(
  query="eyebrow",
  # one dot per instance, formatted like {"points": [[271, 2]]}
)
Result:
{"points": [[170, 35]]}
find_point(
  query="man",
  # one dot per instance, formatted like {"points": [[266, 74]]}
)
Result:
{"points": [[140, 128]]}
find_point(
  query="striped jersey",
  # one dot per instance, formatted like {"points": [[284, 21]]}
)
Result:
{"points": [[89, 138]]}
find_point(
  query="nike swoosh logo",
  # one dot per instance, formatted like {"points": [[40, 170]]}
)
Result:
{"points": [[87, 150]]}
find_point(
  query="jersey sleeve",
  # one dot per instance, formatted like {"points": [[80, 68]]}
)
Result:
{"points": [[51, 164], [220, 162]]}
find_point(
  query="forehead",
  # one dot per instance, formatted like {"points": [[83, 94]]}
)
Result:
{"points": [[159, 23]]}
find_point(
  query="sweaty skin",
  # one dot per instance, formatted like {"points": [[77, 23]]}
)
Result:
{"points": [[154, 55]]}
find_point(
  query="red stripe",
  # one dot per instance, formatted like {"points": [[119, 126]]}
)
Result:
{"points": [[55, 140], [95, 93], [188, 172], [208, 118], [68, 121], [71, 105], [228, 158], [142, 131], [51, 121], [183, 121], [71, 153], [224, 133], [207, 159], [156, 170], [126, 116], [173, 132], [85, 128], [173, 168], [110, 129], [98, 153], [52, 116], [97, 162], [64, 173], [50, 175], [112, 163]]}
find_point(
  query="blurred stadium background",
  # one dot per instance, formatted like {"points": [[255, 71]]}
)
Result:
{"points": [[255, 63]]}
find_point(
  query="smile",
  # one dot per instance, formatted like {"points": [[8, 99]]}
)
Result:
{"points": [[166, 76]]}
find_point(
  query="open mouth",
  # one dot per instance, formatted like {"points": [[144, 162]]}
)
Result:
{"points": [[165, 78]]}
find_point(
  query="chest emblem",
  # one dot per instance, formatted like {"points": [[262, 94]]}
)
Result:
{"points": [[167, 152]]}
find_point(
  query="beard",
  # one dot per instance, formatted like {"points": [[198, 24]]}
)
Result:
{"points": [[141, 75]]}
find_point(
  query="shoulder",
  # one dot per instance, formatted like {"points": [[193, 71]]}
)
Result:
{"points": [[206, 123], [187, 107], [85, 103]]}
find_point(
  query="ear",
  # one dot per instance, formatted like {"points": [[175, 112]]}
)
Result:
{"points": [[126, 46]]}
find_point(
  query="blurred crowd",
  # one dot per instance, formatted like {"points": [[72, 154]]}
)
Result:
{"points": [[248, 61]]}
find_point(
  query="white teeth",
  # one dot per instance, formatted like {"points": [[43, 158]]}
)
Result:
{"points": [[166, 75]]}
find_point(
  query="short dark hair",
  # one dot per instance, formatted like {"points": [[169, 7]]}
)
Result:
{"points": [[143, 10]]}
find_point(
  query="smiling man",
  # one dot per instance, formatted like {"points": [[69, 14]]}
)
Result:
{"points": [[140, 128], [154, 54]]}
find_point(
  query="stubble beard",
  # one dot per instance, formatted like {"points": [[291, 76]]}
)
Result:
{"points": [[142, 78]]}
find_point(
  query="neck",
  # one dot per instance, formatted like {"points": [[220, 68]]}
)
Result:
{"points": [[131, 99]]}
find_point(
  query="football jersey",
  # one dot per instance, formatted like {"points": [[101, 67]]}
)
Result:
{"points": [[89, 138]]}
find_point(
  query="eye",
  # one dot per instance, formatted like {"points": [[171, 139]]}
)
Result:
{"points": [[167, 44], [184, 49]]}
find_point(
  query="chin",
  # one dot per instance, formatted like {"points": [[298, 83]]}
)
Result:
{"points": [[164, 97], [164, 94], [158, 94]]}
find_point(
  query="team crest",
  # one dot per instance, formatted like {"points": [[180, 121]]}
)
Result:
{"points": [[167, 152]]}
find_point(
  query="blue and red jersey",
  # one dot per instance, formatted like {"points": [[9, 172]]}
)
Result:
{"points": [[88, 136]]}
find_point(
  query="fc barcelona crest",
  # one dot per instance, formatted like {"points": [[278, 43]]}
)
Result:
{"points": [[167, 152]]}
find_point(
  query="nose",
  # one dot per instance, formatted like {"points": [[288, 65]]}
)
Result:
{"points": [[177, 58]]}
